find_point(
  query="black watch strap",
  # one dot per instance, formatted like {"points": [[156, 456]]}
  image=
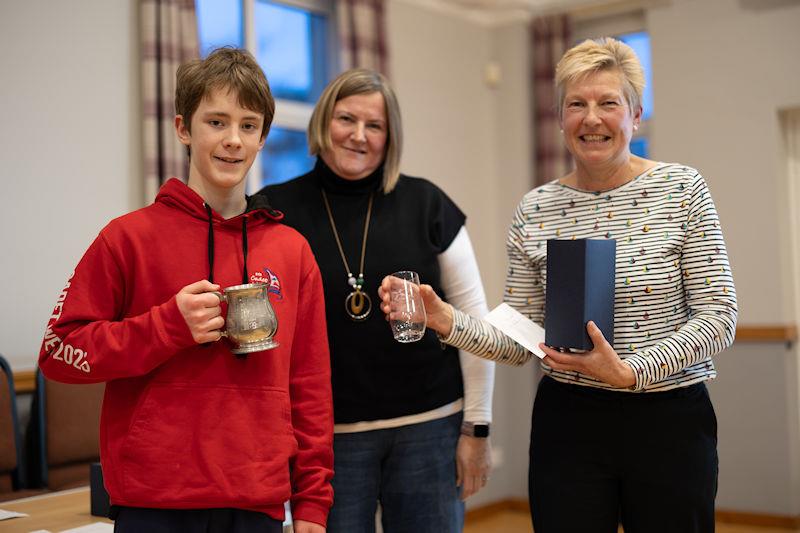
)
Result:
{"points": [[475, 429]]}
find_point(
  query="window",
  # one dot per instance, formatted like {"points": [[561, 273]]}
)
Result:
{"points": [[293, 41], [640, 42]]}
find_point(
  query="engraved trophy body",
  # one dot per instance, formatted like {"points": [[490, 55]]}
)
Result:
{"points": [[251, 323]]}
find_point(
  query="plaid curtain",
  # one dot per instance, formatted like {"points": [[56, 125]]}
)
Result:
{"points": [[168, 34], [550, 38], [362, 31]]}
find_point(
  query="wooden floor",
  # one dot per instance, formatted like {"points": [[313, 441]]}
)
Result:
{"points": [[519, 522]]}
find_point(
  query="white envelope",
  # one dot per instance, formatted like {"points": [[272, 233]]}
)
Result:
{"points": [[518, 327]]}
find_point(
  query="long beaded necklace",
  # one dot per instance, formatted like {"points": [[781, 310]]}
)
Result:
{"points": [[357, 305]]}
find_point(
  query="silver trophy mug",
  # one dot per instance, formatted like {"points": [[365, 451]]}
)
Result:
{"points": [[251, 322]]}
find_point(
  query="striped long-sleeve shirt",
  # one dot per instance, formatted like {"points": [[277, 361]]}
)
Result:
{"points": [[675, 303]]}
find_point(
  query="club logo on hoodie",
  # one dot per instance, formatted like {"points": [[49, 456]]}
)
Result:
{"points": [[271, 279]]}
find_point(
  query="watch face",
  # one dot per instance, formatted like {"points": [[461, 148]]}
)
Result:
{"points": [[481, 430]]}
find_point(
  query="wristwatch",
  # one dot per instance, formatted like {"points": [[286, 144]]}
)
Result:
{"points": [[475, 429]]}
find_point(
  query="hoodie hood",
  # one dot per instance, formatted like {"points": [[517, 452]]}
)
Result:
{"points": [[177, 195]]}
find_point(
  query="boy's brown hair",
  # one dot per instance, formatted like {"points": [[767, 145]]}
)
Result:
{"points": [[224, 68]]}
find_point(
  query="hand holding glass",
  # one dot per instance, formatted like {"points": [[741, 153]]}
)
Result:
{"points": [[407, 313]]}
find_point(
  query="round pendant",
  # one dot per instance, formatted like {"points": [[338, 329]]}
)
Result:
{"points": [[358, 305]]}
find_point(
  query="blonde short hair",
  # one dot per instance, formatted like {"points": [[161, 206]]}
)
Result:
{"points": [[350, 83], [592, 56]]}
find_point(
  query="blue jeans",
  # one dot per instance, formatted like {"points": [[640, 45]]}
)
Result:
{"points": [[410, 470]]}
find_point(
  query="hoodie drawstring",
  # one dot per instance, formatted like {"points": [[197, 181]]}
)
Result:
{"points": [[211, 246], [244, 250]]}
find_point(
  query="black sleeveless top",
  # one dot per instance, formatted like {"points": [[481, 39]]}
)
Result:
{"points": [[375, 377]]}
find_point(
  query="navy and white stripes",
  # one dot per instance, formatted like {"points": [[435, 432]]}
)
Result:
{"points": [[675, 303]]}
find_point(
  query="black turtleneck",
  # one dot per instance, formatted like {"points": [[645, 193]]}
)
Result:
{"points": [[375, 377]]}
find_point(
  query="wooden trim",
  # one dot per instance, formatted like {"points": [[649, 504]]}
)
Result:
{"points": [[490, 509], [24, 381], [757, 519], [521, 506], [785, 333], [722, 516]]}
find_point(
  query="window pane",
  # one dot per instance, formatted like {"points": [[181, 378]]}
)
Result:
{"points": [[290, 49], [219, 23], [285, 156], [640, 42], [639, 146]]}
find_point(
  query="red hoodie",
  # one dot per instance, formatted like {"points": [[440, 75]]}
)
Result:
{"points": [[188, 426]]}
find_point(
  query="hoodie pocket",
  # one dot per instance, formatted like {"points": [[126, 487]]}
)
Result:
{"points": [[209, 446]]}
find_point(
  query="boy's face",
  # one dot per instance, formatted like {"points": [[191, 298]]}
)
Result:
{"points": [[224, 140]]}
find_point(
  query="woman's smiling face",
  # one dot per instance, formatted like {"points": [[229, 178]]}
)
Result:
{"points": [[358, 132], [597, 121]]}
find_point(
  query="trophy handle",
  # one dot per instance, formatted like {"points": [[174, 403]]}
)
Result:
{"points": [[221, 295]]}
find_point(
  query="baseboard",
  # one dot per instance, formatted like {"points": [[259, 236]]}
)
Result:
{"points": [[490, 509], [757, 519], [723, 516]]}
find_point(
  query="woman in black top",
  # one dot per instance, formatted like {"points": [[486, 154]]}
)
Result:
{"points": [[399, 438]]}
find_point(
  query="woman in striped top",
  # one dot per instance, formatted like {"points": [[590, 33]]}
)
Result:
{"points": [[601, 453]]}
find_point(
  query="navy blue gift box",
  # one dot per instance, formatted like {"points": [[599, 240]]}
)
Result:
{"points": [[580, 288]]}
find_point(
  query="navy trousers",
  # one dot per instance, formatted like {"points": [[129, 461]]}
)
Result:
{"points": [[141, 520], [599, 458]]}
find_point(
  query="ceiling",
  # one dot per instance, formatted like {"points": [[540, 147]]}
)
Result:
{"points": [[505, 4], [498, 10]]}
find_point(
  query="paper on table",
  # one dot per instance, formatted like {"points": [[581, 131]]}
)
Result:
{"points": [[518, 327], [5, 515], [96, 527]]}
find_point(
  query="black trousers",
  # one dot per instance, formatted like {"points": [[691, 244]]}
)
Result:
{"points": [[600, 458], [141, 520]]}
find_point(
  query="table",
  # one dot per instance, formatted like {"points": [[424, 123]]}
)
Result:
{"points": [[57, 511], [54, 511]]}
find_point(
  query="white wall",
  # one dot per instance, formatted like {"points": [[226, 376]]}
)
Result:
{"points": [[69, 147], [722, 71], [437, 71]]}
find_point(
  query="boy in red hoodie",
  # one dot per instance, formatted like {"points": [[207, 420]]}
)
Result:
{"points": [[192, 437]]}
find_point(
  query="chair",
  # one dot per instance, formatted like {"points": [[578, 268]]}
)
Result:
{"points": [[10, 443], [63, 433]]}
